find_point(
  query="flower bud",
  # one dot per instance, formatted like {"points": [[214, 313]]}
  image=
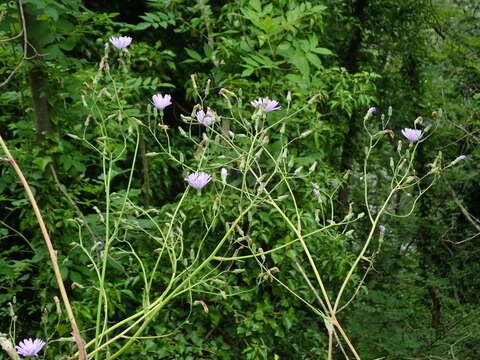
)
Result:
{"points": [[223, 174], [418, 121]]}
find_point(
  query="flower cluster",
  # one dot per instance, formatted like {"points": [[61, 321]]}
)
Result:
{"points": [[30, 347], [198, 180]]}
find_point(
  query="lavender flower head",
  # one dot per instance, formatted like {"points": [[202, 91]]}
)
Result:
{"points": [[30, 347], [382, 229], [121, 42], [372, 111], [462, 158], [161, 101], [198, 180], [265, 104], [205, 118], [412, 134]]}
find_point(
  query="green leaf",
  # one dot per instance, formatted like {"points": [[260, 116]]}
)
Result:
{"points": [[322, 51], [142, 26], [301, 63], [193, 54], [314, 60], [42, 162], [52, 12], [256, 5]]}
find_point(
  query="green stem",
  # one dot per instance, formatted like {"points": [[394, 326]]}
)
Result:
{"points": [[180, 288]]}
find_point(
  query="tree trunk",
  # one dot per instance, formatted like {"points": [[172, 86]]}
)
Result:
{"points": [[38, 79]]}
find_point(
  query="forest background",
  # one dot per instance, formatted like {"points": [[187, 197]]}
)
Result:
{"points": [[77, 116]]}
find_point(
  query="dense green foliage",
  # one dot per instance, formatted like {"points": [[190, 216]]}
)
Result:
{"points": [[107, 169]]}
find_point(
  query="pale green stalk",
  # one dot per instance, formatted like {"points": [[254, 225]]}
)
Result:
{"points": [[180, 287]]}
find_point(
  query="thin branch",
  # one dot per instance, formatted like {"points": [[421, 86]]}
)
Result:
{"points": [[51, 251]]}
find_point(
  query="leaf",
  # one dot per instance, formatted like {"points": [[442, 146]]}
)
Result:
{"points": [[314, 60], [42, 162], [52, 12], [301, 64], [142, 26], [256, 5], [193, 54], [40, 4], [322, 51], [69, 43]]}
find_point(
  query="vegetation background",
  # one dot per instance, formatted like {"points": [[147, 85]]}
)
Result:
{"points": [[419, 57]]}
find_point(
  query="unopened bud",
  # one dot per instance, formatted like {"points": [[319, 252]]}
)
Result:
{"points": [[259, 153], [298, 170], [57, 305], [194, 81], [182, 132], [223, 174], [305, 134], [207, 87], [348, 217], [201, 302], [319, 96], [187, 119], [259, 251], [411, 179], [371, 112]]}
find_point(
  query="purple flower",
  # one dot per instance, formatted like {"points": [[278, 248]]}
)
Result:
{"points": [[29, 347], [372, 111], [462, 158], [315, 191], [412, 134], [198, 180], [265, 104], [205, 118], [121, 42], [160, 101], [382, 229]]}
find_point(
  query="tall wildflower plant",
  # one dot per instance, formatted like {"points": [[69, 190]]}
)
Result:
{"points": [[243, 187]]}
